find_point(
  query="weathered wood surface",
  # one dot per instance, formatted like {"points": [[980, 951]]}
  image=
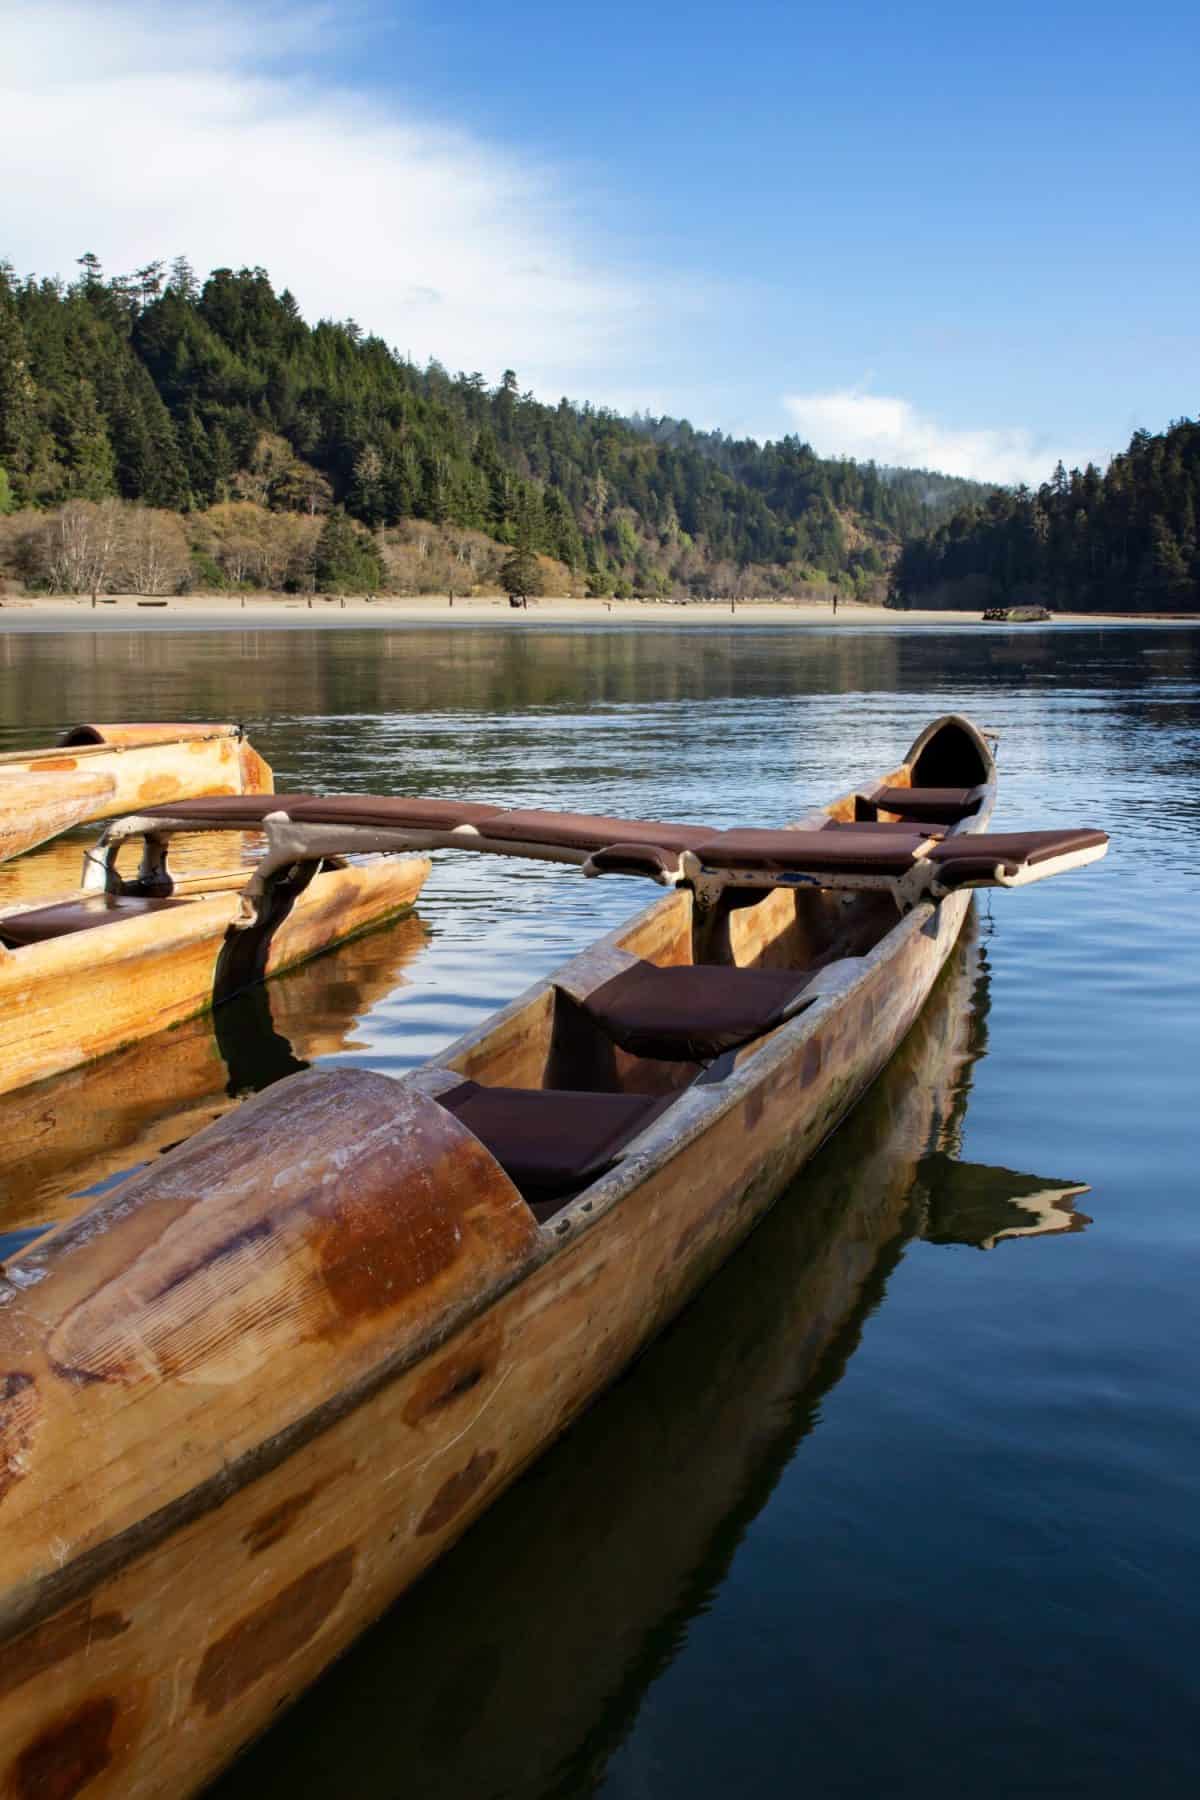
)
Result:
{"points": [[48, 791], [72, 999], [225, 1454], [645, 1505], [255, 1392], [126, 736]]}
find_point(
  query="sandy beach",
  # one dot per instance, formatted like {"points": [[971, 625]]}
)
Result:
{"points": [[209, 612]]}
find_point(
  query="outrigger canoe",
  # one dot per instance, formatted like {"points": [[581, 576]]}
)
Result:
{"points": [[98, 771], [256, 1389]]}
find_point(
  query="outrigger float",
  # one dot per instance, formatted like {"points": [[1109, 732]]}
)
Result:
{"points": [[98, 771], [251, 1393]]}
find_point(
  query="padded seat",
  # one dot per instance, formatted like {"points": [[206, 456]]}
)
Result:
{"points": [[854, 851], [948, 805], [46, 922], [389, 813], [927, 828], [550, 1141], [877, 827], [397, 814], [975, 858], [693, 1013], [588, 831], [247, 810]]}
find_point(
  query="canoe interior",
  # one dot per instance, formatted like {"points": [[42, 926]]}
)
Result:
{"points": [[545, 1040]]}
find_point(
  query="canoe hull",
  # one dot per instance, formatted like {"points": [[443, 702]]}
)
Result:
{"points": [[50, 791], [147, 1659]]}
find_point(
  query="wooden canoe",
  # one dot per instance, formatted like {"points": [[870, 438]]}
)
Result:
{"points": [[692, 1443], [98, 771], [113, 969], [254, 1391]]}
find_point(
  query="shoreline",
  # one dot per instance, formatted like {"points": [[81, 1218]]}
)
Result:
{"points": [[235, 612]]}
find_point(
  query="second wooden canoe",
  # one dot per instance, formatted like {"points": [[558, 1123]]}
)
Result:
{"points": [[98, 771]]}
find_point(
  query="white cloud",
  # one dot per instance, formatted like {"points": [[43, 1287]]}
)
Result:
{"points": [[848, 422], [153, 130]]}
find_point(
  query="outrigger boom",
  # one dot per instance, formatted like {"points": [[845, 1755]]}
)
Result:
{"points": [[914, 842]]}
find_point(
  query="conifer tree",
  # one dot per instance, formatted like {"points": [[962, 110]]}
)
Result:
{"points": [[347, 561], [520, 575]]}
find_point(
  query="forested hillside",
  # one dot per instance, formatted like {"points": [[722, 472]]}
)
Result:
{"points": [[215, 406], [1119, 542]]}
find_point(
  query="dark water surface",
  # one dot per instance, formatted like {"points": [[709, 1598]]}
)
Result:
{"points": [[908, 1501]]}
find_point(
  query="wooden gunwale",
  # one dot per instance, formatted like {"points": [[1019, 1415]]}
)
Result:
{"points": [[56, 754], [397, 1465]]}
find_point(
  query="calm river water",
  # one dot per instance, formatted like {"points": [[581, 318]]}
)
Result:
{"points": [[907, 1503]]}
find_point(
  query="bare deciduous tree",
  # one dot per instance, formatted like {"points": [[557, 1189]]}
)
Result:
{"points": [[154, 551], [80, 546]]}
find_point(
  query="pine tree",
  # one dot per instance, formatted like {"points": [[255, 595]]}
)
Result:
{"points": [[347, 561], [520, 575]]}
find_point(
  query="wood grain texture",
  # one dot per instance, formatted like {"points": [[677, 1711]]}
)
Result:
{"points": [[72, 999], [49, 791], [255, 1392], [60, 1137], [212, 1388]]}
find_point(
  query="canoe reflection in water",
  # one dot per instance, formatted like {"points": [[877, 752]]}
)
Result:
{"points": [[517, 1665], [96, 1124]]}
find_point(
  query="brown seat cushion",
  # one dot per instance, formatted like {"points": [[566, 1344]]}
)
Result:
{"points": [[692, 1013], [975, 858], [861, 851], [549, 1140], [77, 915], [947, 804], [390, 813], [221, 809], [397, 814], [588, 831]]}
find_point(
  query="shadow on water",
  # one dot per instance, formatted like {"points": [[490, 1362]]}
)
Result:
{"points": [[517, 1667]]}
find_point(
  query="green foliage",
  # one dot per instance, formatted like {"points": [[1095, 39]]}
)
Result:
{"points": [[347, 561], [520, 576], [1119, 542], [186, 395], [7, 502], [205, 571]]}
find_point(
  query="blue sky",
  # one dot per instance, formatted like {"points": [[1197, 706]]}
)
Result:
{"points": [[958, 237]]}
